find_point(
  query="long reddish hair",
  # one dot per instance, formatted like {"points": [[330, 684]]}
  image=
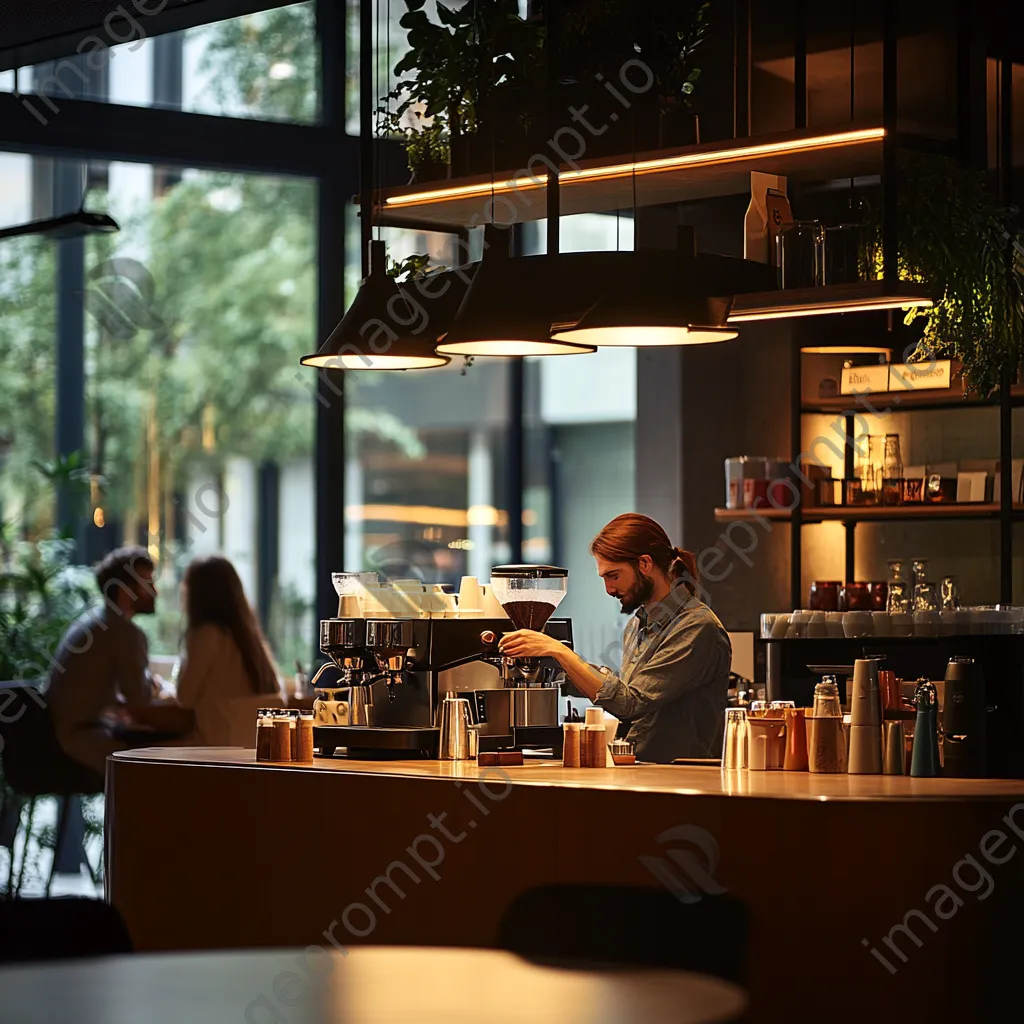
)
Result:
{"points": [[629, 536]]}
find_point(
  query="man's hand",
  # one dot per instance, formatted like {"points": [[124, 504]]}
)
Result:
{"points": [[527, 643]]}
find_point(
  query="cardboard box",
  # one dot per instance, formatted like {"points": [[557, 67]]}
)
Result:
{"points": [[971, 487]]}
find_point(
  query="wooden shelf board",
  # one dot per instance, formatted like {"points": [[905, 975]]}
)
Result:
{"points": [[899, 401], [869, 513], [664, 176]]}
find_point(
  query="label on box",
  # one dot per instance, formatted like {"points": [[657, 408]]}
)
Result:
{"points": [[914, 376], [860, 380]]}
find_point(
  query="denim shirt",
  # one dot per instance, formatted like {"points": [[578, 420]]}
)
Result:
{"points": [[674, 680]]}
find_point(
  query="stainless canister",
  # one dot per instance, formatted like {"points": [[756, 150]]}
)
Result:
{"points": [[734, 742], [895, 760]]}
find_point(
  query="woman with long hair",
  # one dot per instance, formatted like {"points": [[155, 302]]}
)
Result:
{"points": [[226, 655], [673, 682]]}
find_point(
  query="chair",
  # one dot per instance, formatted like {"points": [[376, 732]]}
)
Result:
{"points": [[35, 766], [628, 926], [57, 929]]}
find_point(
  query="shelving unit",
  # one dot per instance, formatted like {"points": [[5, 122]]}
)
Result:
{"points": [[867, 513], [666, 176]]}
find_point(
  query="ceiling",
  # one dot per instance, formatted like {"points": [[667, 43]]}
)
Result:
{"points": [[43, 30]]}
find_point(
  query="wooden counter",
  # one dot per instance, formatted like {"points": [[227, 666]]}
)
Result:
{"points": [[207, 849]]}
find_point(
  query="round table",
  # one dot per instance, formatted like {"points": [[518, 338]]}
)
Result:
{"points": [[369, 985]]}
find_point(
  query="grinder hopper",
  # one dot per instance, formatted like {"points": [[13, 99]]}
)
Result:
{"points": [[529, 593]]}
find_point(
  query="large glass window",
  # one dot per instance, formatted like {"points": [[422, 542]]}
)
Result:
{"points": [[426, 459], [199, 430], [263, 65]]}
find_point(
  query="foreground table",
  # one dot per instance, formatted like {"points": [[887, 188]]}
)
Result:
{"points": [[377, 985], [841, 875]]}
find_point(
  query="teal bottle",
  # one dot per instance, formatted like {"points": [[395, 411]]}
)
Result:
{"points": [[924, 761]]}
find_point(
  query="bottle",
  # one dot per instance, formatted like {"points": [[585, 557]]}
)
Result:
{"points": [[892, 471], [924, 762]]}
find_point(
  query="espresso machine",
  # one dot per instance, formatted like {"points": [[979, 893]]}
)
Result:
{"points": [[395, 672]]}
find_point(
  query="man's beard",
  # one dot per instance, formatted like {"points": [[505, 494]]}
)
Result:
{"points": [[640, 594]]}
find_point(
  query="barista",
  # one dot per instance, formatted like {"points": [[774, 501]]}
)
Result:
{"points": [[673, 681]]}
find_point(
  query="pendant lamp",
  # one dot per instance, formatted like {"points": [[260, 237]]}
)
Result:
{"points": [[661, 300], [504, 311], [376, 331]]}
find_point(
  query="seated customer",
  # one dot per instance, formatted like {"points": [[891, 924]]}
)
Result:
{"points": [[226, 656], [101, 665]]}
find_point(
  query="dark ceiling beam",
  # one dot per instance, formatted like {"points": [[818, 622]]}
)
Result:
{"points": [[82, 128], [55, 30]]}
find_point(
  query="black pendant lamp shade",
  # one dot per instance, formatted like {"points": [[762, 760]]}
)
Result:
{"points": [[658, 299], [506, 311], [386, 327]]}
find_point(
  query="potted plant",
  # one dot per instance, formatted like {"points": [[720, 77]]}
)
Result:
{"points": [[471, 81], [603, 42], [955, 238]]}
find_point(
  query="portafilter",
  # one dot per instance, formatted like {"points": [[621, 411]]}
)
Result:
{"points": [[389, 641]]}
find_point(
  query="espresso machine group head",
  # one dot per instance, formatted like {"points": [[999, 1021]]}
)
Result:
{"points": [[344, 642], [390, 642]]}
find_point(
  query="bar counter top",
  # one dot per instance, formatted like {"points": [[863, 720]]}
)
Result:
{"points": [[643, 778]]}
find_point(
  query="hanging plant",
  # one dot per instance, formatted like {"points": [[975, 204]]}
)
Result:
{"points": [[966, 248]]}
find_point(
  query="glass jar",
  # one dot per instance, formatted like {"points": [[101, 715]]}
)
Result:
{"points": [[826, 699], [897, 570], [303, 738], [950, 594], [897, 601], [265, 733], [892, 471], [283, 736], [926, 597], [919, 568], [800, 254]]}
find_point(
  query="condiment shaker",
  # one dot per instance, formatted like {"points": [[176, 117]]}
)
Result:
{"points": [[924, 761]]}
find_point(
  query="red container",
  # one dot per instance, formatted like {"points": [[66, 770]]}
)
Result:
{"points": [[879, 593], [824, 596], [855, 597], [755, 493]]}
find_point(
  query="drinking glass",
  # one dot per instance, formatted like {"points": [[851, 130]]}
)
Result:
{"points": [[926, 597], [898, 598], [950, 593], [920, 570]]}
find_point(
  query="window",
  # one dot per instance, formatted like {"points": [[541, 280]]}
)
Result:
{"points": [[581, 417], [426, 461], [199, 430], [263, 65]]}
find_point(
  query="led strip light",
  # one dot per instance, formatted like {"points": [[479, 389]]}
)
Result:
{"points": [[652, 166]]}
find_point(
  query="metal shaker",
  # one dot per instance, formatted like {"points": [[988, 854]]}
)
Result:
{"points": [[734, 742], [924, 761], [865, 720], [455, 737], [895, 761]]}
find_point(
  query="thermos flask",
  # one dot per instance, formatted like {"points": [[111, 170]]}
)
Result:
{"points": [[963, 720], [924, 761]]}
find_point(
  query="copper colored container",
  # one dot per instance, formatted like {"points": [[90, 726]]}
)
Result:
{"points": [[824, 596], [855, 597], [879, 595], [796, 740]]}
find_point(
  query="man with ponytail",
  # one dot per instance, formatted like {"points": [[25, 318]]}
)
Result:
{"points": [[673, 682]]}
